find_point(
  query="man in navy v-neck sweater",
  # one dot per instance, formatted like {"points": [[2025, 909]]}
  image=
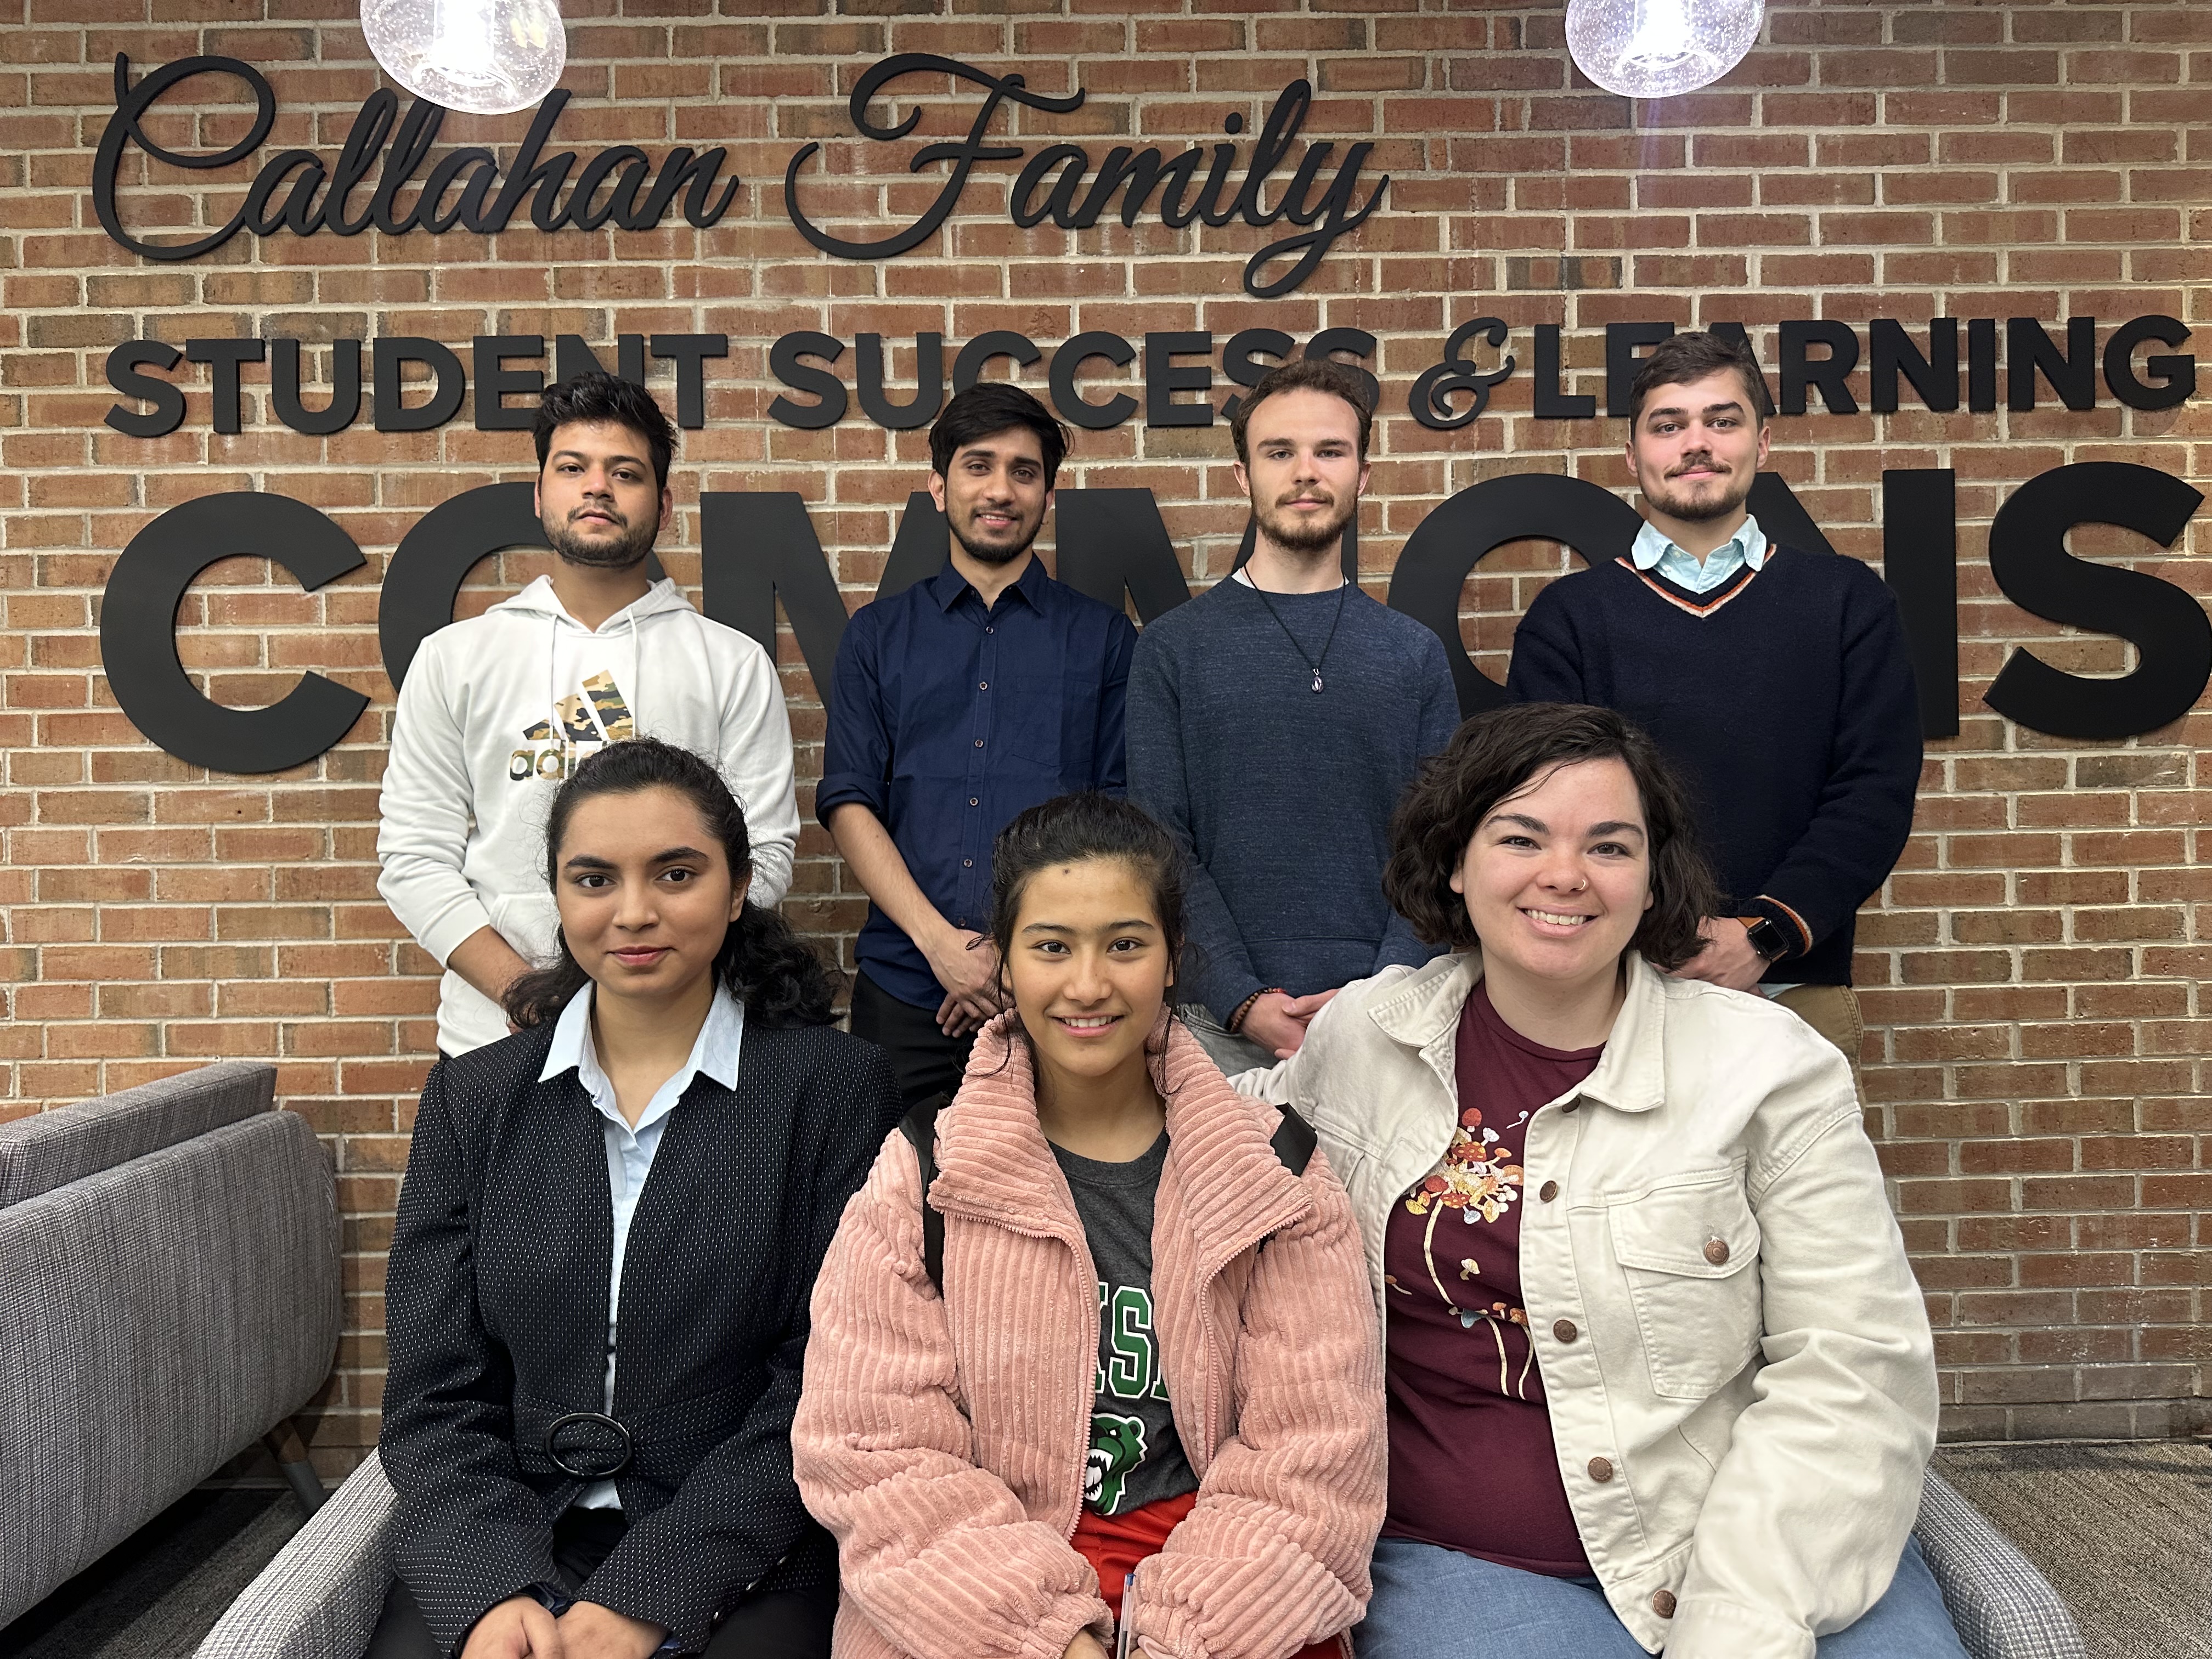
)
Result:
{"points": [[1777, 681]]}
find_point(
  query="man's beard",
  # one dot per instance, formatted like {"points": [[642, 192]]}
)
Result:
{"points": [[1309, 535], [1698, 510], [985, 553], [626, 554]]}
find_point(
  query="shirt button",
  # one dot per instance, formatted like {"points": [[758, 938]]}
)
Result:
{"points": [[1572, 1106], [982, 685], [974, 800], [1663, 1603], [979, 743], [1600, 1469], [1548, 1191], [1716, 1251], [967, 863], [1565, 1331]]}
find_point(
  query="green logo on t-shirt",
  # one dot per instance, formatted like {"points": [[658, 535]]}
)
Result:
{"points": [[1117, 1446], [1132, 1369]]}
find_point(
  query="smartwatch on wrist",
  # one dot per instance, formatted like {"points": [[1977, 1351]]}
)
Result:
{"points": [[1766, 937]]}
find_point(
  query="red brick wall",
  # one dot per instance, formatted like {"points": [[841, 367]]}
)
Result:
{"points": [[2035, 976]]}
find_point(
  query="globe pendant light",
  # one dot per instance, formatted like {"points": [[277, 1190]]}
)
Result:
{"points": [[1657, 48], [485, 57]]}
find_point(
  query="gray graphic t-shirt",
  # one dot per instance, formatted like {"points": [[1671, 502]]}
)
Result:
{"points": [[1136, 1457]]}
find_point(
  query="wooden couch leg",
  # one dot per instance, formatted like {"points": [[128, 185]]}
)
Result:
{"points": [[291, 1454]]}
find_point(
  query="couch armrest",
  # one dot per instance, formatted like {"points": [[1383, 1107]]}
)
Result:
{"points": [[320, 1597], [2003, 1608], [51, 1150]]}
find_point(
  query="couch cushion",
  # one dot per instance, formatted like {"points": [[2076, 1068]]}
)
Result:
{"points": [[51, 1150], [155, 1318]]}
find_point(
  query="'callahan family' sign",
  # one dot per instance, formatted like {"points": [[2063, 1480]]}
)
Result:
{"points": [[300, 192]]}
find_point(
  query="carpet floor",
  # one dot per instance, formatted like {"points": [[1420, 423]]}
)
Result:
{"points": [[159, 1592], [2123, 1531]]}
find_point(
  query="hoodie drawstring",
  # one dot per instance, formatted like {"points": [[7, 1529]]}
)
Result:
{"points": [[636, 674], [632, 689], [554, 725]]}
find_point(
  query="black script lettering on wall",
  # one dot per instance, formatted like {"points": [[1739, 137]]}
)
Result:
{"points": [[465, 189], [1058, 182]]}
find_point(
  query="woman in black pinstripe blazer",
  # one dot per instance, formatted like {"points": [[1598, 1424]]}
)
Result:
{"points": [[597, 1300]]}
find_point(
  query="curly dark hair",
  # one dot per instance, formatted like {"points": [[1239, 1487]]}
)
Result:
{"points": [[763, 964], [1495, 755], [1072, 828], [595, 398]]}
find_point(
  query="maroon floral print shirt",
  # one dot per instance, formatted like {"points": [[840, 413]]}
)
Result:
{"points": [[1472, 1464]]}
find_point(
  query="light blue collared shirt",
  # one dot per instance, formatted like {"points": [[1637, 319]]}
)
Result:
{"points": [[630, 1151], [1653, 550]]}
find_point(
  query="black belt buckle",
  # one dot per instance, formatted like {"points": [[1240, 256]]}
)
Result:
{"points": [[599, 1445]]}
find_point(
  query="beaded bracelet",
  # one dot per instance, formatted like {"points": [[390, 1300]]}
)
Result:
{"points": [[1237, 1020]]}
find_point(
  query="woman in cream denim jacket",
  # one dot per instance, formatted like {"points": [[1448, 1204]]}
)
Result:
{"points": [[1712, 1341]]}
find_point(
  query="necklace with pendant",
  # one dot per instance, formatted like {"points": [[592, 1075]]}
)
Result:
{"points": [[1311, 662]]}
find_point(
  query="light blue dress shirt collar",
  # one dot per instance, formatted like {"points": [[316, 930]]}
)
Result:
{"points": [[714, 1052], [1748, 546], [630, 1151]]}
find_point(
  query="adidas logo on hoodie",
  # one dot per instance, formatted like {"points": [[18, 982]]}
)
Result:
{"points": [[598, 715]]}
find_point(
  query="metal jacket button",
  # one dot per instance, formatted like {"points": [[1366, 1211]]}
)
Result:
{"points": [[1716, 1251], [1600, 1469], [1565, 1331], [1663, 1603], [1548, 1191]]}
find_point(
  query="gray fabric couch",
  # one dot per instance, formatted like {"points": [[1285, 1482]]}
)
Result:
{"points": [[169, 1293], [319, 1598]]}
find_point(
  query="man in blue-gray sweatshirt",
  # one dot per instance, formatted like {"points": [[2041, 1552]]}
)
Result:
{"points": [[1273, 722]]}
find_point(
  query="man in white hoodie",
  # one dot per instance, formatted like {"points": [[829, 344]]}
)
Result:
{"points": [[498, 709]]}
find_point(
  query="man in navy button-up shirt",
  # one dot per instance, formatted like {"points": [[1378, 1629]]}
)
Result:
{"points": [[957, 704]]}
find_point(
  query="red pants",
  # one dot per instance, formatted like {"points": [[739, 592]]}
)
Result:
{"points": [[1115, 1544]]}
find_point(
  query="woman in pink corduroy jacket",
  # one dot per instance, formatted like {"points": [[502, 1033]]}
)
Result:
{"points": [[1155, 1360]]}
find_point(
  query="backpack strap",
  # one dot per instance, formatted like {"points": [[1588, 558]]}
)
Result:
{"points": [[1294, 1141], [920, 1127]]}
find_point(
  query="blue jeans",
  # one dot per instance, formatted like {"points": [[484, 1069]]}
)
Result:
{"points": [[1435, 1603]]}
